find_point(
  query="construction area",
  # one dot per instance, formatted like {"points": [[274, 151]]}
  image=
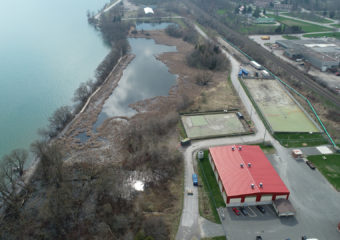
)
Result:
{"points": [[199, 126], [278, 108]]}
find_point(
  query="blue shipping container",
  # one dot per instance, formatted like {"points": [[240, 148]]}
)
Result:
{"points": [[194, 179], [245, 72]]}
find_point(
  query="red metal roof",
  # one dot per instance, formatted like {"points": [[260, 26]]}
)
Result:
{"points": [[236, 180]]}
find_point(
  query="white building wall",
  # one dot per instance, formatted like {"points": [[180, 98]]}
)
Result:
{"points": [[250, 199], [281, 197], [235, 200], [266, 197]]}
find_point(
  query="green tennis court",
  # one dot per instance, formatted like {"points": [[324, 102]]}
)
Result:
{"points": [[212, 125], [279, 109]]}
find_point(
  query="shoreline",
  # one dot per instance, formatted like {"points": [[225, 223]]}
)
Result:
{"points": [[123, 62]]}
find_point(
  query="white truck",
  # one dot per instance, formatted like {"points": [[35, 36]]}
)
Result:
{"points": [[256, 65]]}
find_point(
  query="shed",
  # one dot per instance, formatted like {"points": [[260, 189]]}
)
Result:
{"points": [[200, 155], [284, 207]]}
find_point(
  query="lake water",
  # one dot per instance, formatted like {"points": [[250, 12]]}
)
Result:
{"points": [[46, 50], [144, 78]]}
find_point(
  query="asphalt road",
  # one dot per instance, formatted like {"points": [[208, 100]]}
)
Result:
{"points": [[316, 201], [189, 226]]}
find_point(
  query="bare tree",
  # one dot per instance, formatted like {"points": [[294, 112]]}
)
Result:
{"points": [[59, 119], [51, 156], [17, 158], [10, 185], [82, 93]]}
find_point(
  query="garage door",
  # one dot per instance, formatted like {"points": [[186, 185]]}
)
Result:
{"points": [[266, 197], [235, 200], [250, 199], [281, 197]]}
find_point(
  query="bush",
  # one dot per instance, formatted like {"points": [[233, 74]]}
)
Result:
{"points": [[174, 31], [207, 56]]}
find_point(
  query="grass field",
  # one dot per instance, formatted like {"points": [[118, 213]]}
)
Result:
{"points": [[210, 185], [332, 34], [300, 139], [309, 17], [306, 27], [214, 238], [258, 29], [335, 25], [278, 108], [329, 167], [221, 11], [289, 37], [212, 125]]}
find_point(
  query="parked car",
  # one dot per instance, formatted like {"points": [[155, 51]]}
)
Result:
{"points": [[244, 211], [311, 165], [337, 74], [258, 238], [194, 179], [261, 209], [236, 211], [190, 192]]}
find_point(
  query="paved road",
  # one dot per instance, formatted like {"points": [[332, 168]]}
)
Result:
{"points": [[107, 9], [191, 225], [315, 211]]}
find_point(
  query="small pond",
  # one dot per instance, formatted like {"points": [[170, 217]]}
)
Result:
{"points": [[153, 26], [145, 77]]}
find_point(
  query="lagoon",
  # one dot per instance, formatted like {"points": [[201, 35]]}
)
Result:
{"points": [[144, 78]]}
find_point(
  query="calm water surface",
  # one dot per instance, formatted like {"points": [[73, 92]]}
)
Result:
{"points": [[144, 78], [46, 50]]}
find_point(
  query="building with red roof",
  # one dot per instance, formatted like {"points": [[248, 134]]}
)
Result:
{"points": [[245, 175]]}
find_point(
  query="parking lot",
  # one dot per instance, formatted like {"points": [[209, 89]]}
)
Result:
{"points": [[315, 200], [267, 224]]}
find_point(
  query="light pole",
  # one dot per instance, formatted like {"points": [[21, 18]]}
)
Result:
{"points": [[264, 136]]}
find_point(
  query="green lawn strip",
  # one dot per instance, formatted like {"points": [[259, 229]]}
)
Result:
{"points": [[179, 22], [289, 37], [329, 167], [258, 28], [210, 185], [312, 18], [300, 139], [266, 147], [306, 27], [221, 11], [181, 129], [215, 238], [336, 25], [315, 35]]}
